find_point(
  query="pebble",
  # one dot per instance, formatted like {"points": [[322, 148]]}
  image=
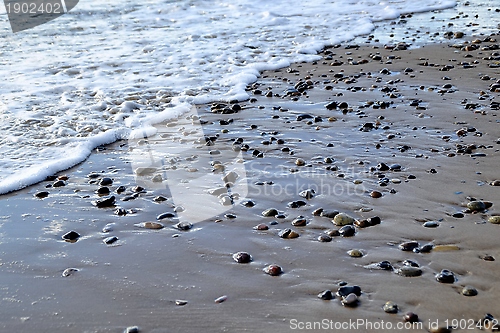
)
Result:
{"points": [[488, 258], [103, 190], [495, 183], [350, 300], [160, 199], [375, 194], [220, 299], [431, 224], [107, 202], [355, 253], [390, 307], [299, 221], [184, 226], [110, 240], [42, 194], [445, 276], [150, 225], [410, 317], [108, 227], [242, 257], [288, 233], [324, 238], [296, 204], [409, 271], [308, 194], [326, 295], [347, 231], [273, 270], [476, 206], [261, 226], [494, 219], [71, 236], [106, 181], [132, 329], [342, 219], [300, 162], [166, 215], [121, 189], [469, 291], [270, 212], [59, 183], [346, 290], [248, 203], [383, 265], [69, 271], [329, 213], [180, 302], [408, 246]]}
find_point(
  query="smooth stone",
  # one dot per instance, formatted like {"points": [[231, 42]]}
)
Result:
{"points": [[150, 225], [184, 226], [297, 204], [329, 213], [346, 290], [488, 258], [445, 276], [110, 240], [132, 329], [106, 181], [220, 299], [107, 202], [326, 295], [300, 162], [308, 194], [494, 219], [166, 215], [69, 271], [273, 270], [390, 307], [431, 224], [469, 291], [343, 219], [270, 212], [160, 199], [120, 211], [383, 265], [103, 190], [121, 189], [347, 231], [408, 246], [332, 232], [408, 262], [242, 257], [350, 300], [476, 206], [108, 227], [375, 194], [410, 317], [71, 236], [261, 226], [42, 194], [355, 253], [374, 220], [59, 183], [180, 302], [248, 203], [299, 221], [288, 233], [324, 238], [409, 271], [495, 183]]}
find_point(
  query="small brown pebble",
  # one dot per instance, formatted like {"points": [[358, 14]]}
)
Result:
{"points": [[261, 226], [410, 317], [242, 257], [375, 194], [324, 238], [273, 270]]}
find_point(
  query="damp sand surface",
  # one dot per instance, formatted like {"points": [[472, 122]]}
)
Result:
{"points": [[431, 110]]}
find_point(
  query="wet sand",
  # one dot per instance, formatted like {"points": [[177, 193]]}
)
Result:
{"points": [[422, 108]]}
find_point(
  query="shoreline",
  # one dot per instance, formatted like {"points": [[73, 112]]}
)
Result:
{"points": [[408, 108]]}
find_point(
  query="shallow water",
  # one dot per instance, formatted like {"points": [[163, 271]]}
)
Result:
{"points": [[88, 77]]}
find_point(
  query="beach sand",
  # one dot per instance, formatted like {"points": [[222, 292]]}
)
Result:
{"points": [[431, 110]]}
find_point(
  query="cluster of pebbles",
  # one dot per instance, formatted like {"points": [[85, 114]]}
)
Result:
{"points": [[301, 213]]}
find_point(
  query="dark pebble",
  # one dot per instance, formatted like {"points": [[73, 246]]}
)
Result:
{"points": [[488, 258], [458, 215], [297, 204], [106, 181], [42, 194], [160, 199], [184, 226], [261, 226], [242, 257], [408, 246], [248, 203], [299, 221], [273, 270], [132, 329], [324, 238], [166, 215], [121, 189], [59, 183], [110, 240], [346, 290], [71, 236], [410, 317], [120, 211], [326, 295], [329, 213], [445, 276], [103, 190], [426, 248], [347, 231], [107, 202], [288, 233]]}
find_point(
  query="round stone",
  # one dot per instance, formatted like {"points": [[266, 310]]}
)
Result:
{"points": [[273, 270], [299, 221], [350, 300], [410, 317], [346, 290], [355, 253], [184, 226], [110, 240], [42, 194], [375, 194], [242, 257], [469, 291], [324, 238], [326, 295], [288, 233], [71, 236], [445, 276], [408, 246], [347, 231], [343, 219], [300, 162], [494, 219], [476, 206], [261, 226], [390, 307], [270, 212], [106, 181]]}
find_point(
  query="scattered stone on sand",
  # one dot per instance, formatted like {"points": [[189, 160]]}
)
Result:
{"points": [[221, 299], [150, 225], [132, 329], [355, 253], [410, 317], [347, 231], [445, 276], [431, 224], [270, 212], [300, 162], [343, 219], [288, 233], [184, 226], [181, 302], [69, 271], [476, 206], [108, 227], [273, 270], [106, 202], [469, 291], [495, 183], [59, 183], [242, 257], [324, 238], [390, 307], [71, 236], [299, 221], [103, 190], [41, 194], [350, 300], [248, 203], [106, 181], [328, 213], [488, 257], [261, 226], [166, 215], [375, 194], [296, 204], [346, 290], [110, 240], [409, 271], [408, 246], [326, 295]]}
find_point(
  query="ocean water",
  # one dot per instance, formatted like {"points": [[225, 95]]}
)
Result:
{"points": [[109, 67]]}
